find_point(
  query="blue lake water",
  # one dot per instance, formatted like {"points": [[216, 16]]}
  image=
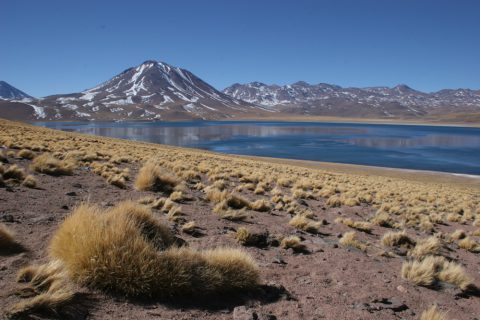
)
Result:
{"points": [[437, 148]]}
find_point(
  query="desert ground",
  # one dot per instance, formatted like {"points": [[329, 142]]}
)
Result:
{"points": [[101, 228]]}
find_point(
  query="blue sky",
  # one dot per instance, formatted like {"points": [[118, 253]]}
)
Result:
{"points": [[49, 47]]}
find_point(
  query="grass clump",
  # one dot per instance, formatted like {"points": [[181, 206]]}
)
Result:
{"points": [[397, 239], [54, 296], [247, 238], [48, 164], [359, 225], [30, 182], [8, 244], [349, 239], [189, 227], [433, 313], [294, 243], [152, 177], [261, 205], [469, 244], [14, 172], [430, 270], [458, 234], [26, 154], [301, 222], [126, 250], [425, 247]]}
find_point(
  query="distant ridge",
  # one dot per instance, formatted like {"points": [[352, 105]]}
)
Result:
{"points": [[332, 100]]}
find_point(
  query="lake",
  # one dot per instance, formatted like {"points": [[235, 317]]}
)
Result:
{"points": [[437, 148]]}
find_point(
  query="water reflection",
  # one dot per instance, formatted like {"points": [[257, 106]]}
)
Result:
{"points": [[416, 147], [189, 135]]}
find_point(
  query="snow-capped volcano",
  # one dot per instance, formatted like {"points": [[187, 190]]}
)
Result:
{"points": [[9, 92], [152, 90], [331, 100]]}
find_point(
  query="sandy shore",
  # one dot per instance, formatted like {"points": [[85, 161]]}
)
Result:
{"points": [[472, 181], [463, 122]]}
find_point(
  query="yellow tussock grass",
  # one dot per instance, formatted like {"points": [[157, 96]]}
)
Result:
{"points": [[349, 239], [126, 250], [152, 177], [429, 246], [303, 223], [397, 239], [433, 313], [430, 270], [294, 243], [48, 164]]}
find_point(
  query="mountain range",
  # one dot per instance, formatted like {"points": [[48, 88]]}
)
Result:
{"points": [[155, 90], [332, 100]]}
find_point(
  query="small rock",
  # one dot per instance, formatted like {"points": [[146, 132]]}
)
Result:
{"points": [[71, 194], [278, 259], [76, 185], [64, 207], [242, 313], [401, 289], [302, 202]]}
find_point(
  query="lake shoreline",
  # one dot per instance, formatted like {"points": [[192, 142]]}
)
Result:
{"points": [[410, 147], [468, 180], [314, 119]]}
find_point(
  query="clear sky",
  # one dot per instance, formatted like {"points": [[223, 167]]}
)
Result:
{"points": [[49, 47]]}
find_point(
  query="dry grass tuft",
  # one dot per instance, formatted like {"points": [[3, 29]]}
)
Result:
{"points": [[294, 243], [350, 239], [189, 227], [8, 244], [126, 250], [458, 234], [14, 172], [469, 244], [176, 196], [6, 236], [48, 164], [175, 214], [383, 219], [397, 239], [430, 270], [359, 225], [303, 223], [152, 177], [30, 182], [117, 180], [425, 247], [54, 295], [247, 238], [26, 154], [261, 205], [433, 313]]}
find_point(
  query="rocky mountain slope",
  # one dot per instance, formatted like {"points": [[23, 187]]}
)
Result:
{"points": [[9, 92], [331, 100]]}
